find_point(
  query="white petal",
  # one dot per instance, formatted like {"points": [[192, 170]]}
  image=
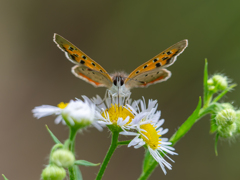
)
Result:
{"points": [[140, 144], [163, 132], [58, 119], [45, 110], [128, 133], [160, 123]]}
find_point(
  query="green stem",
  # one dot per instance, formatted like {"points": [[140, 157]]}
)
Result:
{"points": [[72, 137], [72, 173], [109, 154], [123, 142]]}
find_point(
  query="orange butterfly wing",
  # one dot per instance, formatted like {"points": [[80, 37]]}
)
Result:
{"points": [[86, 68], [153, 70]]}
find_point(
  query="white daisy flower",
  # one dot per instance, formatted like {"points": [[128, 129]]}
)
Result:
{"points": [[47, 110], [149, 133], [113, 110], [78, 113]]}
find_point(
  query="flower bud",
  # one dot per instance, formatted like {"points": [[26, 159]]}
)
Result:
{"points": [[227, 106], [238, 120], [227, 131], [79, 114], [220, 82], [226, 117], [63, 158], [53, 172]]}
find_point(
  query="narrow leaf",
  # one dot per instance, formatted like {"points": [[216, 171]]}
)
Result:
{"points": [[78, 173], [186, 126], [55, 139], [216, 142], [4, 177], [223, 93], [85, 163], [205, 79]]}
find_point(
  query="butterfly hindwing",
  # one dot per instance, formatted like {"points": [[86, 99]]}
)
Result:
{"points": [[95, 78], [86, 69], [162, 60]]}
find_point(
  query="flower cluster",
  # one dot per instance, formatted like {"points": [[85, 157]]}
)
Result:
{"points": [[139, 120], [129, 118]]}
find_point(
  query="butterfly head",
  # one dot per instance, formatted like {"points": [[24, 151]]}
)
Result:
{"points": [[118, 86]]}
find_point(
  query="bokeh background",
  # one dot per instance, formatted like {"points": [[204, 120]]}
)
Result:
{"points": [[120, 35]]}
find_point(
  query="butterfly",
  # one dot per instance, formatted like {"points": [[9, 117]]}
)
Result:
{"points": [[120, 83]]}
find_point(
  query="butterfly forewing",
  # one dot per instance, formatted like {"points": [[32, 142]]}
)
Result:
{"points": [[162, 60], [86, 69]]}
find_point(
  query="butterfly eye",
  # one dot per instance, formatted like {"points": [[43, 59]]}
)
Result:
{"points": [[118, 79]]}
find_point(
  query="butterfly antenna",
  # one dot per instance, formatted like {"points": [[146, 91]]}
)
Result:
{"points": [[118, 85]]}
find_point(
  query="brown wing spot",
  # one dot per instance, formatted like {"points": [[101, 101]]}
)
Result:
{"points": [[169, 52], [146, 75], [70, 48], [84, 57], [137, 72], [158, 72], [93, 64], [73, 57], [101, 71], [82, 62], [158, 65], [89, 69], [93, 72], [169, 61], [155, 60], [164, 58], [145, 66]]}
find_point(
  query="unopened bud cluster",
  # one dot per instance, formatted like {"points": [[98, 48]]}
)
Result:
{"points": [[53, 172], [60, 159], [217, 83], [227, 121]]}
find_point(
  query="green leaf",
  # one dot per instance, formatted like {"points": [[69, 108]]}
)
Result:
{"points": [[205, 85], [223, 93], [148, 159], [186, 126], [85, 163], [78, 173], [216, 142], [213, 125], [55, 139], [4, 177]]}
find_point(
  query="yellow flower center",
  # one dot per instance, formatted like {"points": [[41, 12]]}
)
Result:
{"points": [[116, 112], [152, 139], [62, 105]]}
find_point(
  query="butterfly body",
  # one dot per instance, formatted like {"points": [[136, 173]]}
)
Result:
{"points": [[151, 72]]}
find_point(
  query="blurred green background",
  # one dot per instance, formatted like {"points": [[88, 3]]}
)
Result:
{"points": [[120, 35]]}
